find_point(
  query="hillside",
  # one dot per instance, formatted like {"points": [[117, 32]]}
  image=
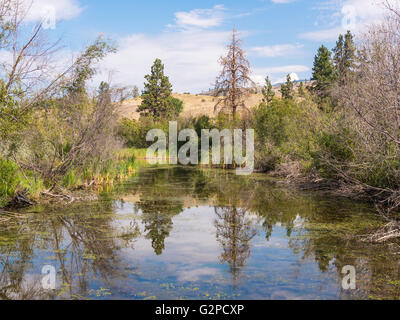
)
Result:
{"points": [[193, 105]]}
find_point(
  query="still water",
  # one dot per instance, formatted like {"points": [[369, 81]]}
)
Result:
{"points": [[188, 233]]}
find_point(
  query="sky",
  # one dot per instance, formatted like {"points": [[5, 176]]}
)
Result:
{"points": [[280, 37]]}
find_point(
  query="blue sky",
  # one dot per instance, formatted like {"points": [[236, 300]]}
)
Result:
{"points": [[280, 36]]}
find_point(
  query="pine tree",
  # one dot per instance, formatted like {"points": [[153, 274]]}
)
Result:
{"points": [[268, 91], [349, 52], [344, 56], [324, 72], [156, 94], [287, 89], [135, 92], [302, 90], [338, 55]]}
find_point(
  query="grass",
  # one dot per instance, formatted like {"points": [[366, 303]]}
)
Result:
{"points": [[125, 164]]}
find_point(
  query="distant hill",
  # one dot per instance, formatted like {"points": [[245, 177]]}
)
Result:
{"points": [[195, 105]]}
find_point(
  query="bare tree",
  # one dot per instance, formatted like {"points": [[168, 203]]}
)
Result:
{"points": [[48, 122], [371, 107], [234, 82]]}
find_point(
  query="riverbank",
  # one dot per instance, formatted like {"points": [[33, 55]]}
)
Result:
{"points": [[23, 189]]}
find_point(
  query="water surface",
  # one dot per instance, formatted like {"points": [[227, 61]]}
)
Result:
{"points": [[188, 233]]}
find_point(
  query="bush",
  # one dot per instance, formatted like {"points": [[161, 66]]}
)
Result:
{"points": [[9, 181], [285, 131], [134, 132]]}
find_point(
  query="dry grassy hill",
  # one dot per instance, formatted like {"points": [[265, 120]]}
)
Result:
{"points": [[193, 105]]}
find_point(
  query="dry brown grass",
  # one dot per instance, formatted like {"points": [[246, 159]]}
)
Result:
{"points": [[193, 105]]}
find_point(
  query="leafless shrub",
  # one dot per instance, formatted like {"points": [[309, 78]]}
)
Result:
{"points": [[372, 112]]}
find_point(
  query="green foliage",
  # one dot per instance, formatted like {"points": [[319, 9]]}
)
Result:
{"points": [[203, 122], [302, 90], [134, 132], [324, 71], [135, 92], [8, 180], [84, 66], [285, 131], [175, 108], [287, 89], [267, 91], [344, 56], [157, 94]]}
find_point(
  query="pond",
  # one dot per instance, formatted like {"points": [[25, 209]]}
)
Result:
{"points": [[191, 233]]}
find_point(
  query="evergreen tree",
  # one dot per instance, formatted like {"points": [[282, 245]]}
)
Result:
{"points": [[287, 89], [156, 94], [302, 90], [344, 56], [135, 92], [268, 91], [349, 52], [324, 72], [338, 54]]}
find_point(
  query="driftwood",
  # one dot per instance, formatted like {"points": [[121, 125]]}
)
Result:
{"points": [[20, 200], [62, 196], [391, 231]]}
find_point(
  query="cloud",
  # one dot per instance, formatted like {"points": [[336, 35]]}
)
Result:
{"points": [[63, 9], [276, 50], [278, 74], [293, 77], [343, 15], [190, 58], [201, 18], [323, 35]]}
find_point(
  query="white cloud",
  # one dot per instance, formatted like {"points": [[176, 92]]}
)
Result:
{"points": [[323, 35], [276, 50], [354, 15], [277, 74], [64, 9], [293, 77], [201, 18], [190, 58]]}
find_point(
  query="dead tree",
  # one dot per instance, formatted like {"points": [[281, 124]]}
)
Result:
{"points": [[234, 82]]}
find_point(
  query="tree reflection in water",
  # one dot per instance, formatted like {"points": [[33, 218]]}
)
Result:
{"points": [[82, 247], [86, 242], [234, 233]]}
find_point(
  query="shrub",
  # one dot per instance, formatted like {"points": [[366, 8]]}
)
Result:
{"points": [[9, 180]]}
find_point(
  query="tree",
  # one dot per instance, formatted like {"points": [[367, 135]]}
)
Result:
{"points": [[287, 89], [175, 108], [157, 93], [324, 72], [234, 81], [344, 56], [135, 92], [302, 90], [268, 91]]}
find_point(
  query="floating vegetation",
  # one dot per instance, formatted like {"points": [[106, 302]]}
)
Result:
{"points": [[189, 233]]}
